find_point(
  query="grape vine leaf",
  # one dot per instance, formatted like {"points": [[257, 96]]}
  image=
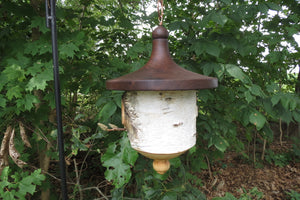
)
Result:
{"points": [[118, 162]]}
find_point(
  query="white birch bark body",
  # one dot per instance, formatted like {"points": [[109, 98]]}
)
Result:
{"points": [[160, 122]]}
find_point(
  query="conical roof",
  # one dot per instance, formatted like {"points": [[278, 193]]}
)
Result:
{"points": [[161, 72]]}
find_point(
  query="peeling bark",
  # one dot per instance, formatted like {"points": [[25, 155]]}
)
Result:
{"points": [[23, 135], [4, 149], [14, 154]]}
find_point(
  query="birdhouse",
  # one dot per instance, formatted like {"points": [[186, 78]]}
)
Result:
{"points": [[159, 107]]}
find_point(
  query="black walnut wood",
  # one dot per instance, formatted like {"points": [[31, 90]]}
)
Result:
{"points": [[161, 72]]}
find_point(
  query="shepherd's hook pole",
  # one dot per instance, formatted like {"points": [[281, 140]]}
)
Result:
{"points": [[51, 22]]}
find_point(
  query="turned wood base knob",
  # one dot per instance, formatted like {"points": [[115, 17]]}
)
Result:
{"points": [[161, 166]]}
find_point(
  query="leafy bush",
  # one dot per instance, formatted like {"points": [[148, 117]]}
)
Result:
{"points": [[251, 194], [250, 52], [20, 184], [293, 195]]}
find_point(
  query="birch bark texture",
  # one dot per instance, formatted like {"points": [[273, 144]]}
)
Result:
{"points": [[160, 122]]}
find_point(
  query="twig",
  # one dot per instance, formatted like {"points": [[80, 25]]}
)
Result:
{"points": [[116, 129], [51, 175], [41, 134], [121, 5], [103, 197], [98, 190], [254, 149], [80, 171], [78, 179], [281, 132], [264, 148], [209, 169]]}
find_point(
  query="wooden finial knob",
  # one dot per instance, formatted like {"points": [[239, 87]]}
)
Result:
{"points": [[161, 166], [160, 32]]}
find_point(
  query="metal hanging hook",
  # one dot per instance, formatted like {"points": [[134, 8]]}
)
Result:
{"points": [[160, 11]]}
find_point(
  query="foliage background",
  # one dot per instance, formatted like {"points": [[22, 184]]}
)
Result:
{"points": [[248, 45]]}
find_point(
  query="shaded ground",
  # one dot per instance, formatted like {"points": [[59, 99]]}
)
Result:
{"points": [[233, 175]]}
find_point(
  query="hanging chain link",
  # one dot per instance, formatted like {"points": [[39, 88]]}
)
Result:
{"points": [[160, 11]]}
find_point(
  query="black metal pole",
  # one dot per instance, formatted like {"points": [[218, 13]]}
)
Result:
{"points": [[62, 165]]}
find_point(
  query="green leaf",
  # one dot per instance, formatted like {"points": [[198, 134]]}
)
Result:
{"points": [[137, 49], [256, 90], [3, 80], [38, 47], [227, 2], [268, 133], [286, 116], [26, 186], [245, 117], [273, 6], [129, 154], [35, 69], [4, 174], [293, 103], [211, 48], [2, 101], [118, 99], [9, 195], [38, 177], [257, 119], [208, 68], [197, 47], [125, 22], [296, 115], [15, 91], [175, 162], [219, 18], [227, 196], [219, 70], [14, 72], [108, 110], [262, 7], [220, 143], [118, 163], [120, 174], [272, 88], [285, 101], [29, 100], [198, 163], [150, 193], [268, 107], [40, 80], [68, 49], [39, 22], [248, 96], [275, 99], [274, 56], [237, 73], [169, 196]]}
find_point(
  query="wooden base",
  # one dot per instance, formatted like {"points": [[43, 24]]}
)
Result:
{"points": [[156, 156], [161, 166]]}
